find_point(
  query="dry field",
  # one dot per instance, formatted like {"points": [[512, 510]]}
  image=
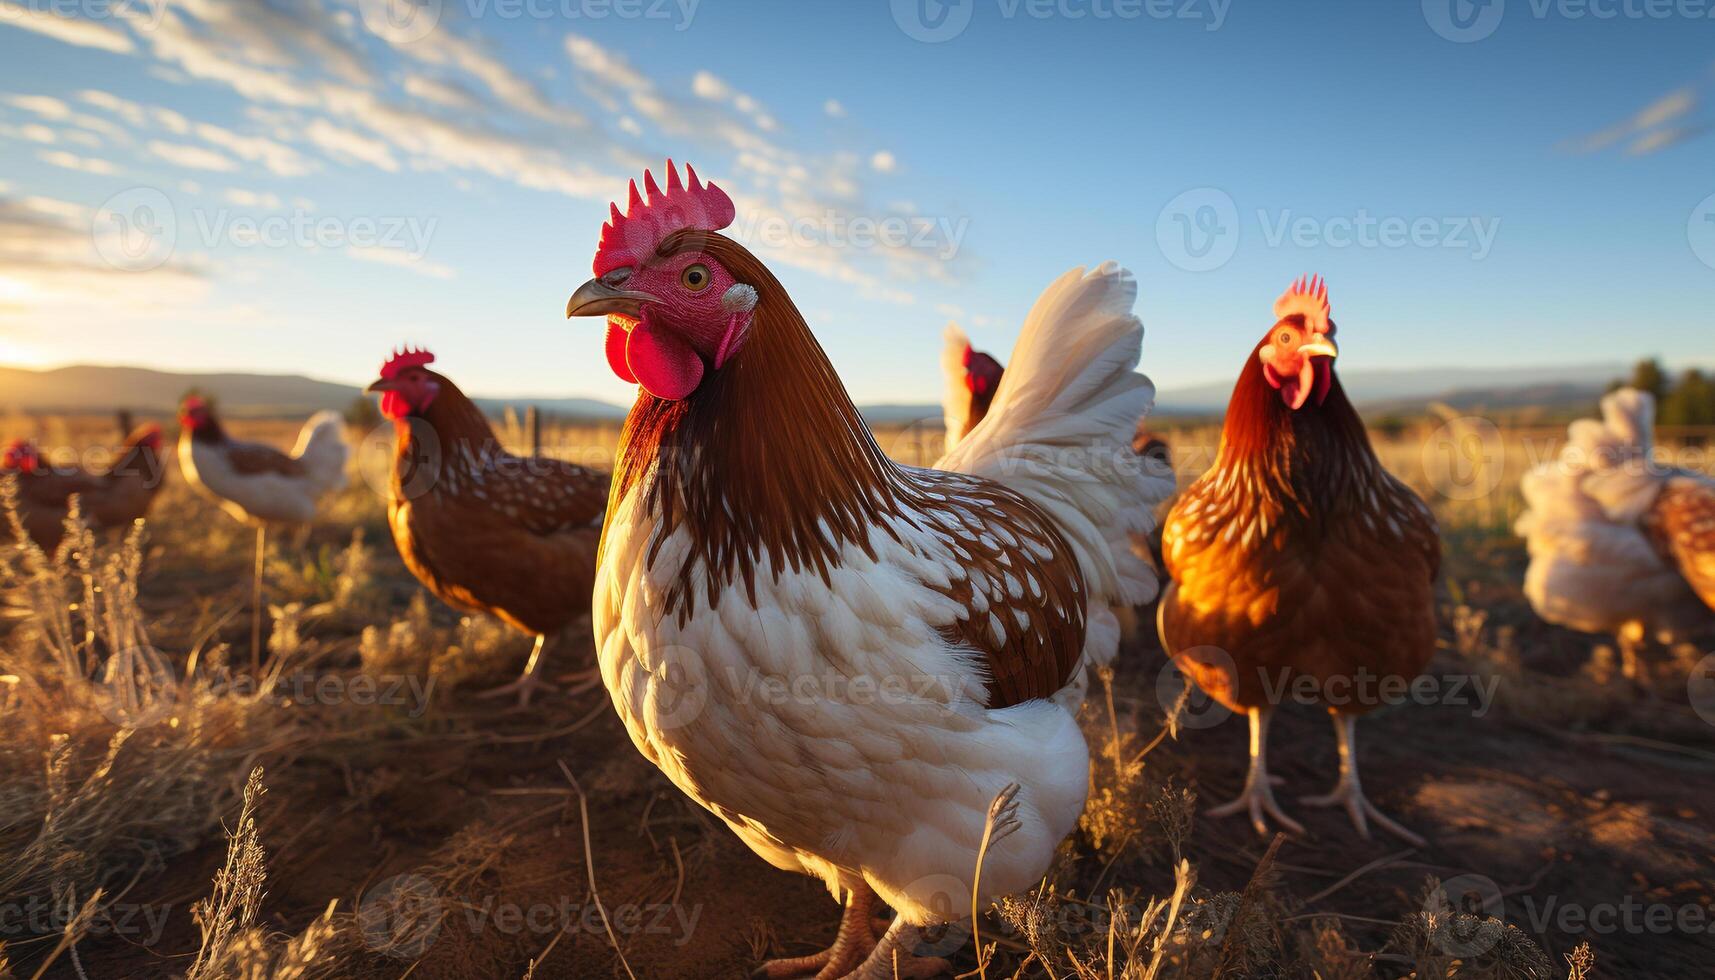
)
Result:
{"points": [[357, 813]]}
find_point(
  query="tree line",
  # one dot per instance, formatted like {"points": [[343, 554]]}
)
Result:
{"points": [[1686, 400]]}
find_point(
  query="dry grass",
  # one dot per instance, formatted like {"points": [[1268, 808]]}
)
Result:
{"points": [[126, 738]]}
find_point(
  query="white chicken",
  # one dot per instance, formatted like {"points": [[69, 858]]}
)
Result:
{"points": [[846, 659], [259, 484], [1618, 542]]}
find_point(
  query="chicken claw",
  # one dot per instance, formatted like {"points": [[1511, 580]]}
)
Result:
{"points": [[855, 939], [1350, 794], [1257, 798], [529, 682]]}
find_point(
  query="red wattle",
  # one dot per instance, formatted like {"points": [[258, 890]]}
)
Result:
{"points": [[616, 339], [663, 363], [393, 405]]}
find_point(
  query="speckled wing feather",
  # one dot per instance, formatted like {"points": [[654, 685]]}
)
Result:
{"points": [[1015, 576], [1681, 525], [546, 495], [251, 459]]}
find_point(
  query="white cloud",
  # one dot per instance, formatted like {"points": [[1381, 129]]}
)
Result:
{"points": [[346, 143], [277, 157], [401, 259], [439, 91], [833, 108], [71, 30], [707, 86], [45, 106], [37, 133], [194, 157], [251, 199], [71, 161], [883, 162]]}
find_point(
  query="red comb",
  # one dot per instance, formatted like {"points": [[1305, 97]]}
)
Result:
{"points": [[192, 403], [1309, 298], [20, 455], [629, 238], [405, 358]]}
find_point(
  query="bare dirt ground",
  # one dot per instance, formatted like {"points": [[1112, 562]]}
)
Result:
{"points": [[1580, 808]]}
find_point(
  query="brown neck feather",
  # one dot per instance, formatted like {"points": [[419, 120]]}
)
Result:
{"points": [[464, 436], [1318, 453], [767, 460]]}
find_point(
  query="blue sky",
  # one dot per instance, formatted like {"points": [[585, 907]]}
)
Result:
{"points": [[297, 186]]}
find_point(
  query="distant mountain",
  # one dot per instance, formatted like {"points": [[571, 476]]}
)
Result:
{"points": [[90, 388], [1412, 389]]}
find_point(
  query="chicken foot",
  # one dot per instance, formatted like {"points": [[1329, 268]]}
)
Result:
{"points": [[856, 937], [527, 683], [1350, 794], [899, 952], [1257, 798]]}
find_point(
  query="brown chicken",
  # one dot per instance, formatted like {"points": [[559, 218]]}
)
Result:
{"points": [[485, 530], [115, 497], [1301, 568]]}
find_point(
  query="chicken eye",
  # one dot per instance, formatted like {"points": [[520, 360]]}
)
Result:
{"points": [[695, 277], [1285, 338]]}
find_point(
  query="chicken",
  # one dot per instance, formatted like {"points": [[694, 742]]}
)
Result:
{"points": [[845, 659], [487, 531], [972, 378], [1298, 563], [1620, 543], [115, 497], [259, 484]]}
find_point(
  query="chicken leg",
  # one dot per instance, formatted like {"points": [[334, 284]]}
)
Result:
{"points": [[1349, 793], [1258, 795], [898, 955], [529, 682], [855, 939]]}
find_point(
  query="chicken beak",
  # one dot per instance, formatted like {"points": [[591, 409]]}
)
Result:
{"points": [[379, 385], [597, 298], [1323, 346]]}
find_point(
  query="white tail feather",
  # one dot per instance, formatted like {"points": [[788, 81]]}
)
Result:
{"points": [[1059, 430], [321, 446]]}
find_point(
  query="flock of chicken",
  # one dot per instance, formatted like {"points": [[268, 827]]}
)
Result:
{"points": [[935, 627]]}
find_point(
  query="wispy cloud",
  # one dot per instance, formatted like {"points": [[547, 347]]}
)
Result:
{"points": [[192, 157], [1655, 127], [400, 259], [71, 161], [71, 30]]}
